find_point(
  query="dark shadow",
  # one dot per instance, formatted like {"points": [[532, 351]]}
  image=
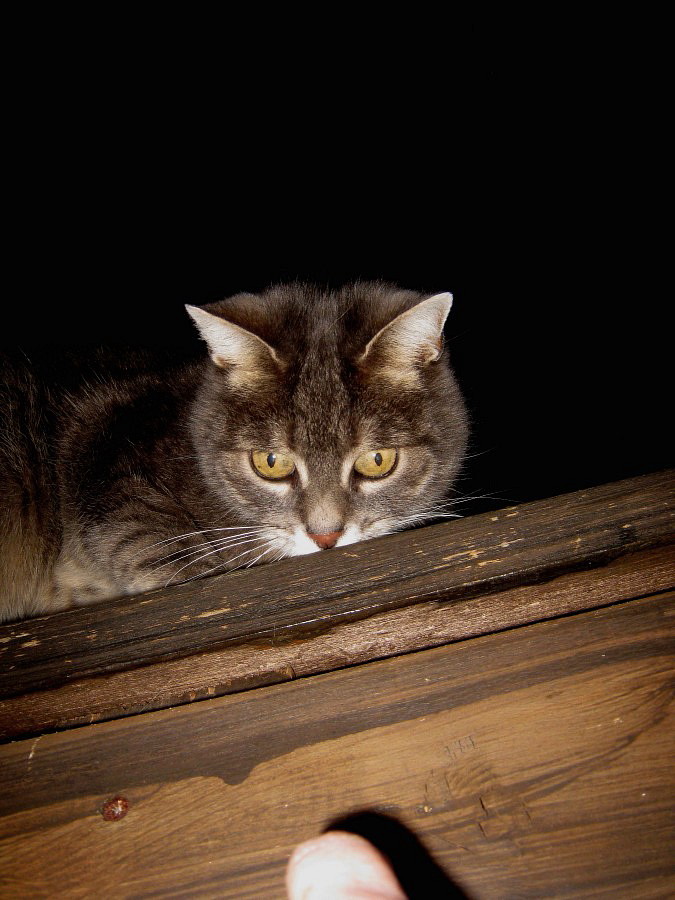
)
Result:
{"points": [[419, 874]]}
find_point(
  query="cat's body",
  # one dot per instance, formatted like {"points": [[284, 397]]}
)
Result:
{"points": [[319, 418]]}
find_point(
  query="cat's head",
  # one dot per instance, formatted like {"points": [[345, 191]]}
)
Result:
{"points": [[325, 416]]}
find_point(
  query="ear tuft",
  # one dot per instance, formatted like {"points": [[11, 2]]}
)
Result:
{"points": [[411, 340], [231, 346]]}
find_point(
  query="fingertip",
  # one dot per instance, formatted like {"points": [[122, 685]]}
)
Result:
{"points": [[338, 865]]}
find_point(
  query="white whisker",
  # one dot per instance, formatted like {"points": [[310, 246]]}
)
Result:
{"points": [[420, 518], [180, 537], [210, 553], [252, 550], [254, 561], [190, 551], [228, 562]]}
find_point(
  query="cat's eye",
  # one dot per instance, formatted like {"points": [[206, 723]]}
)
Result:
{"points": [[272, 465], [376, 463]]}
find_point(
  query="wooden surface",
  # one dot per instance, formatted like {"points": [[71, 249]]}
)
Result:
{"points": [[537, 762], [522, 725], [268, 661], [312, 614]]}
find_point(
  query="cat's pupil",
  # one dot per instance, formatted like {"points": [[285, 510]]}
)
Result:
{"points": [[271, 459], [378, 459]]}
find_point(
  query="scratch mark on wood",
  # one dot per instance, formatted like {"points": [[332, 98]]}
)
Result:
{"points": [[33, 748]]}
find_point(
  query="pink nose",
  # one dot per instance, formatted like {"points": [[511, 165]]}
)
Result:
{"points": [[326, 540]]}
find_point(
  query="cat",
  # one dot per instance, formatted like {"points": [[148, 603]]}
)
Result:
{"points": [[311, 419]]}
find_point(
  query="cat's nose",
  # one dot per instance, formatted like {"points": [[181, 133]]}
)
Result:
{"points": [[327, 540]]}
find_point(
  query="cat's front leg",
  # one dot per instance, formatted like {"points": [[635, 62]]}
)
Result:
{"points": [[143, 542]]}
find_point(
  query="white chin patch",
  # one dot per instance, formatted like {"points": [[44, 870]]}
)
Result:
{"points": [[301, 544], [351, 535]]}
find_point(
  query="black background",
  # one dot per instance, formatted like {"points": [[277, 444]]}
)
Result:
{"points": [[533, 212]]}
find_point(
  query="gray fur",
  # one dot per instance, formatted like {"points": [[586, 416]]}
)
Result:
{"points": [[122, 472]]}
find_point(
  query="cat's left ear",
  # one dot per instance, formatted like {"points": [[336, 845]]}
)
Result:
{"points": [[413, 339], [247, 356]]}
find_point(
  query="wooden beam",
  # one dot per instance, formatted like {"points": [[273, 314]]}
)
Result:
{"points": [[619, 530], [267, 661]]}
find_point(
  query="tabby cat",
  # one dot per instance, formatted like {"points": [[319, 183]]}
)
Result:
{"points": [[316, 419]]}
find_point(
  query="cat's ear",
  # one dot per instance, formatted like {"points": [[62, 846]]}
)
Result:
{"points": [[231, 346], [412, 340]]}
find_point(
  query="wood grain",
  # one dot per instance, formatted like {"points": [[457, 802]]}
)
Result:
{"points": [[524, 545], [533, 762], [268, 661]]}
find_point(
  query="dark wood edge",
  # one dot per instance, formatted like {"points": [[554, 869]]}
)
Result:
{"points": [[487, 554], [263, 662]]}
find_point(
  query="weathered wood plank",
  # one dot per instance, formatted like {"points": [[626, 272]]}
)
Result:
{"points": [[534, 762], [267, 661], [528, 544]]}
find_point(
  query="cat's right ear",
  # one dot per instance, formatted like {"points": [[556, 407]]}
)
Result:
{"points": [[247, 356]]}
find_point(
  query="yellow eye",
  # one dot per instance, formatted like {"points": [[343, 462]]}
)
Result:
{"points": [[376, 463], [272, 465]]}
